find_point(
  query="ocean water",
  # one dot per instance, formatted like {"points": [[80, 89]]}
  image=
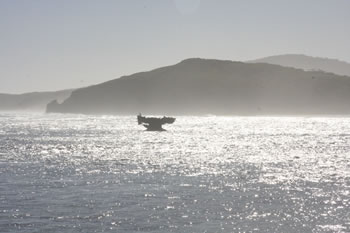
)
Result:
{"points": [[73, 173]]}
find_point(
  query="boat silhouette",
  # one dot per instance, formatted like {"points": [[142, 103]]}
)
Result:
{"points": [[154, 123]]}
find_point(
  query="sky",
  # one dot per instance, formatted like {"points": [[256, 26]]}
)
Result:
{"points": [[55, 45]]}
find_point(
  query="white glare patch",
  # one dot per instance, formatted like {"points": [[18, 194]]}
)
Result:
{"points": [[187, 6]]}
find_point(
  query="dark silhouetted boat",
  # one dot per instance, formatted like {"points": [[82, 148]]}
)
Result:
{"points": [[154, 123]]}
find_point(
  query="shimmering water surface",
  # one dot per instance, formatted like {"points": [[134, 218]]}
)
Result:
{"points": [[66, 173]]}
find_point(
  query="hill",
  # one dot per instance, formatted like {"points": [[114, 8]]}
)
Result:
{"points": [[308, 63], [198, 86], [35, 101]]}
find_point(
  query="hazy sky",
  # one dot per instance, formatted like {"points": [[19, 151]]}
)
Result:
{"points": [[52, 45]]}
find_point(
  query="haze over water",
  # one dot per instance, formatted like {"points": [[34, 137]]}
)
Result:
{"points": [[75, 173]]}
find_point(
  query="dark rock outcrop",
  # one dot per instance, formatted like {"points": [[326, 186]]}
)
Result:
{"points": [[35, 102], [53, 106]]}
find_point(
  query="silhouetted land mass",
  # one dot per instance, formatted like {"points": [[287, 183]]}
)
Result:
{"points": [[36, 101], [199, 86], [308, 63]]}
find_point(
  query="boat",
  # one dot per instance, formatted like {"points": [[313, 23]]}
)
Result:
{"points": [[154, 123]]}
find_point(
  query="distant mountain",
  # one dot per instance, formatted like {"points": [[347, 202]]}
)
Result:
{"points": [[308, 63], [198, 86], [35, 101]]}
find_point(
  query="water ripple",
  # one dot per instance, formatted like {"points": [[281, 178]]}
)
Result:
{"points": [[216, 174]]}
